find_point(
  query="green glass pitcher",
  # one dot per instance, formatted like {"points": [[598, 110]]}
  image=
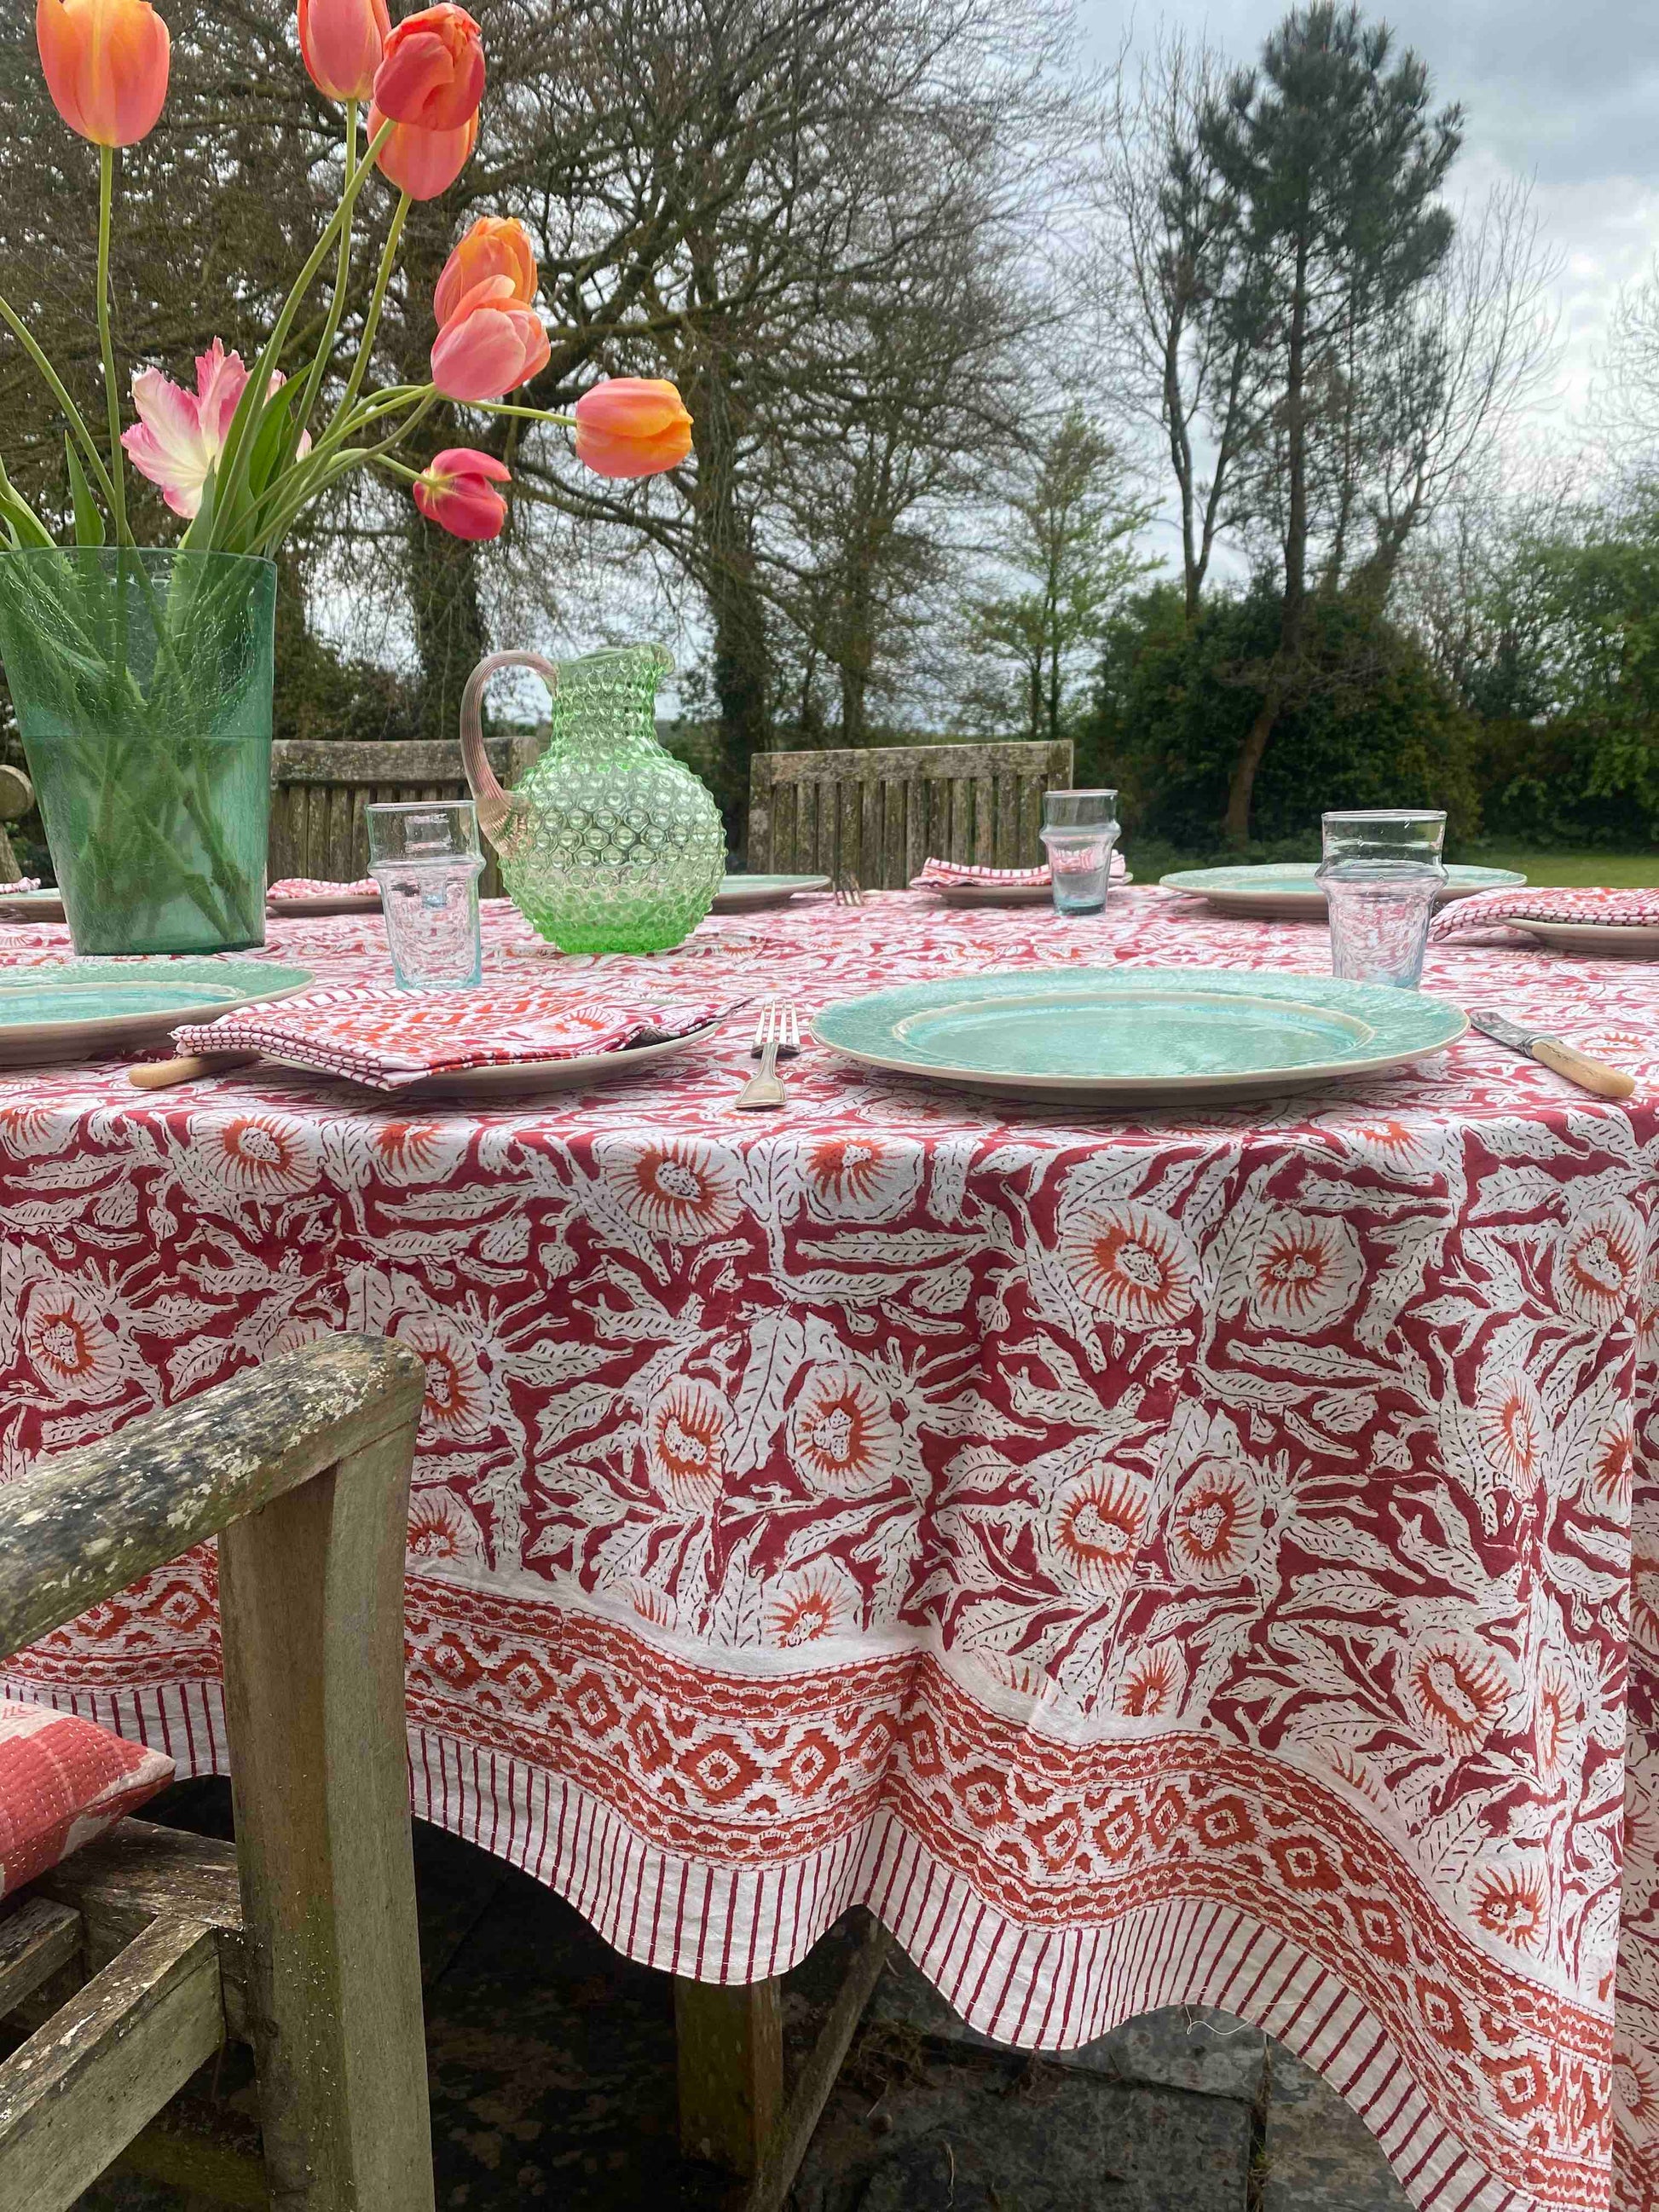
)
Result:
{"points": [[608, 845]]}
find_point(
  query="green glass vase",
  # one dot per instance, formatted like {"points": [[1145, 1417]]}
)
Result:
{"points": [[609, 844], [141, 681]]}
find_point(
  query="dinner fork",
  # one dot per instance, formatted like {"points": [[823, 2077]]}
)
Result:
{"points": [[849, 889], [777, 1033]]}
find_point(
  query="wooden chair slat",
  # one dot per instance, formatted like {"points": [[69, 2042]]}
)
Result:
{"points": [[35, 1941], [83, 2086], [884, 809], [320, 788]]}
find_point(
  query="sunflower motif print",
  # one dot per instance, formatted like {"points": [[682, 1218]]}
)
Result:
{"points": [[681, 1189], [456, 1403], [1095, 1527], [256, 1155], [1132, 1264], [71, 1343], [843, 1436], [857, 1176], [685, 1444], [1599, 1264], [1305, 1272]]}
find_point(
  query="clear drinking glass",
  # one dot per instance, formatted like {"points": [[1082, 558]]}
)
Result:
{"points": [[1079, 830], [1381, 875], [425, 860]]}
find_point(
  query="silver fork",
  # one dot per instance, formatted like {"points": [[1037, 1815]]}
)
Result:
{"points": [[849, 889], [777, 1036]]}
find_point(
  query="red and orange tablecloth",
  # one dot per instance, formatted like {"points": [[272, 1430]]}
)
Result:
{"points": [[1149, 1557]]}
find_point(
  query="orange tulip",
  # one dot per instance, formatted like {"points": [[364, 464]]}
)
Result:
{"points": [[105, 66], [433, 73], [454, 490], [632, 426], [490, 345], [341, 42], [423, 163], [495, 246]]}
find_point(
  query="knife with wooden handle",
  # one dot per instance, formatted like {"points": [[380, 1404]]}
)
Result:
{"points": [[1550, 1052], [157, 1074]]}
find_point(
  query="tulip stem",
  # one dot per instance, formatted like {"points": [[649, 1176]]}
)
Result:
{"points": [[20, 329], [245, 426], [342, 283], [112, 393], [340, 464], [530, 414], [372, 322], [313, 470]]}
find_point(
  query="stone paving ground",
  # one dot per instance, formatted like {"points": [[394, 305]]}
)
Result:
{"points": [[552, 2064]]}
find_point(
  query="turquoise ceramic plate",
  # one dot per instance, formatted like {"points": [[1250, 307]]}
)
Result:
{"points": [[741, 894], [1286, 888], [1138, 1034], [83, 1009]]}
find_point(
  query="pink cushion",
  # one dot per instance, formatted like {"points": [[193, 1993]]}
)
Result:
{"points": [[64, 1781]]}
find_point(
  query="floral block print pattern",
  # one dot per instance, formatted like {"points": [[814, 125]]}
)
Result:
{"points": [[1151, 1558]]}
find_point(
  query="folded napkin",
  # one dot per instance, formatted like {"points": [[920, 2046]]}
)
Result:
{"points": [[378, 1035], [311, 887], [1490, 910], [952, 875]]}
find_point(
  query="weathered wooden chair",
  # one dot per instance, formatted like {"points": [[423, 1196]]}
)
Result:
{"points": [[879, 814], [17, 798], [301, 1468], [320, 789]]}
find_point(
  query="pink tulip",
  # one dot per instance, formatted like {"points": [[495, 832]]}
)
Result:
{"points": [[433, 72], [180, 435], [490, 345], [105, 66], [341, 42], [423, 163], [632, 426], [455, 491], [496, 245]]}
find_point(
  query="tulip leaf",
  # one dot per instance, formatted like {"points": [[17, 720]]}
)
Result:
{"points": [[276, 438], [199, 535], [24, 524], [88, 518]]}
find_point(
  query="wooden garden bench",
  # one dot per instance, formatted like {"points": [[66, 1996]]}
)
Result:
{"points": [[319, 789], [16, 799], [879, 814], [303, 1944]]}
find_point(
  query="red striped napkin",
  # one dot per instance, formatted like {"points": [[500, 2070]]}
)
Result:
{"points": [[1490, 910], [311, 887], [376, 1034], [952, 875]]}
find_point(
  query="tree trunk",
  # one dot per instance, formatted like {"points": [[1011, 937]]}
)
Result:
{"points": [[1291, 622], [737, 609], [446, 609]]}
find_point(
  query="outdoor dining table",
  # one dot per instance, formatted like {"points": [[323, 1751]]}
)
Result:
{"points": [[1149, 1557]]}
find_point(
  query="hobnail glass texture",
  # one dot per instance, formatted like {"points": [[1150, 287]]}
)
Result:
{"points": [[613, 846], [142, 681]]}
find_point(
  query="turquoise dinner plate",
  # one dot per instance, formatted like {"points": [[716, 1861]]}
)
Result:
{"points": [[83, 1009], [1287, 889], [738, 893], [1138, 1034]]}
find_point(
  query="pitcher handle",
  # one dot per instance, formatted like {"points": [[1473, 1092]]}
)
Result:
{"points": [[496, 807]]}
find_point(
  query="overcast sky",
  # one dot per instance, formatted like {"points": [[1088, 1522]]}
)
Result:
{"points": [[1565, 92]]}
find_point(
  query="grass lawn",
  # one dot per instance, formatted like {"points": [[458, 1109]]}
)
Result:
{"points": [[1150, 858], [1624, 870]]}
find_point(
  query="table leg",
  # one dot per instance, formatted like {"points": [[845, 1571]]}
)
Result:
{"points": [[731, 2070]]}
